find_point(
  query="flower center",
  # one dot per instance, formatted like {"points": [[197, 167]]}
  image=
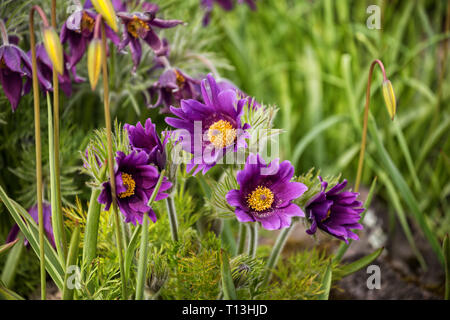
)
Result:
{"points": [[180, 79], [2, 64], [221, 134], [260, 199], [87, 23], [137, 27], [328, 215], [129, 183]]}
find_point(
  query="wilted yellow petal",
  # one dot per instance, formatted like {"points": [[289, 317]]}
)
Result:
{"points": [[94, 61], [106, 9], [389, 98], [54, 49]]}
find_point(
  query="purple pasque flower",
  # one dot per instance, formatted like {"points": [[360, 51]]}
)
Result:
{"points": [[48, 228], [14, 67], [78, 30], [211, 129], [266, 193], [172, 86], [335, 211], [45, 68], [146, 139], [138, 25], [225, 84], [208, 6], [135, 182]]}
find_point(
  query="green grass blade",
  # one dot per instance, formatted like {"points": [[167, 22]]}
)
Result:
{"points": [[6, 294], [72, 257], [229, 291], [10, 267], [326, 283], [357, 265], [5, 248]]}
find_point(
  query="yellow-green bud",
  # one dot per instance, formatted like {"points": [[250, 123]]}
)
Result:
{"points": [[106, 9], [389, 98], [94, 61], [54, 49]]}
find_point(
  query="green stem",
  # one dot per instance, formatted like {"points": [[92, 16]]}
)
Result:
{"points": [[71, 261], [253, 239], [242, 238], [142, 264], [37, 128], [91, 233], [171, 211], [111, 166], [276, 251]]}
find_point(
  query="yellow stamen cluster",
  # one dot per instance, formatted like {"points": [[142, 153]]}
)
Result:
{"points": [[129, 183], [136, 26], [221, 134], [260, 199], [180, 79], [328, 215], [2, 63], [87, 23]]}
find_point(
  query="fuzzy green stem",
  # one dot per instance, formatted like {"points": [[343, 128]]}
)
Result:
{"points": [[91, 233], [171, 211], [366, 118], [111, 166], [242, 238], [37, 128], [276, 252], [252, 239], [142, 264], [58, 219], [4, 33]]}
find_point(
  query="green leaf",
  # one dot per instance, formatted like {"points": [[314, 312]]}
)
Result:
{"points": [[229, 291], [326, 283], [357, 265], [4, 248], [10, 268], [446, 252], [6, 294]]}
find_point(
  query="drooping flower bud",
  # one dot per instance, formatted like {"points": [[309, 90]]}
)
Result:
{"points": [[94, 62], [106, 9], [54, 49], [389, 98]]}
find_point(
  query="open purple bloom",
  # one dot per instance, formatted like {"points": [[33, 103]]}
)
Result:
{"points": [[172, 86], [266, 193], [336, 212], [48, 228], [226, 84], [211, 129], [45, 68], [146, 139], [135, 182], [78, 30], [14, 67], [138, 26]]}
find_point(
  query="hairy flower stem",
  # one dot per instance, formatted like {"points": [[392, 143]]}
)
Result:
{"points": [[111, 165], [171, 211], [143, 253], [366, 118], [276, 251], [4, 33], [242, 238], [252, 239], [37, 130], [58, 219]]}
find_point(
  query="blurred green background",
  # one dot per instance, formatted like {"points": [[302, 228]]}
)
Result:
{"points": [[309, 58]]}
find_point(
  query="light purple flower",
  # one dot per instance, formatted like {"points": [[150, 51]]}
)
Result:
{"points": [[335, 211], [211, 129], [266, 193], [135, 182]]}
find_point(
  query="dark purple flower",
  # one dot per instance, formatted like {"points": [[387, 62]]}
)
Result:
{"points": [[266, 193], [172, 86], [135, 182], [45, 68], [211, 129], [48, 228], [78, 30], [336, 212], [146, 139], [14, 67], [138, 26]]}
